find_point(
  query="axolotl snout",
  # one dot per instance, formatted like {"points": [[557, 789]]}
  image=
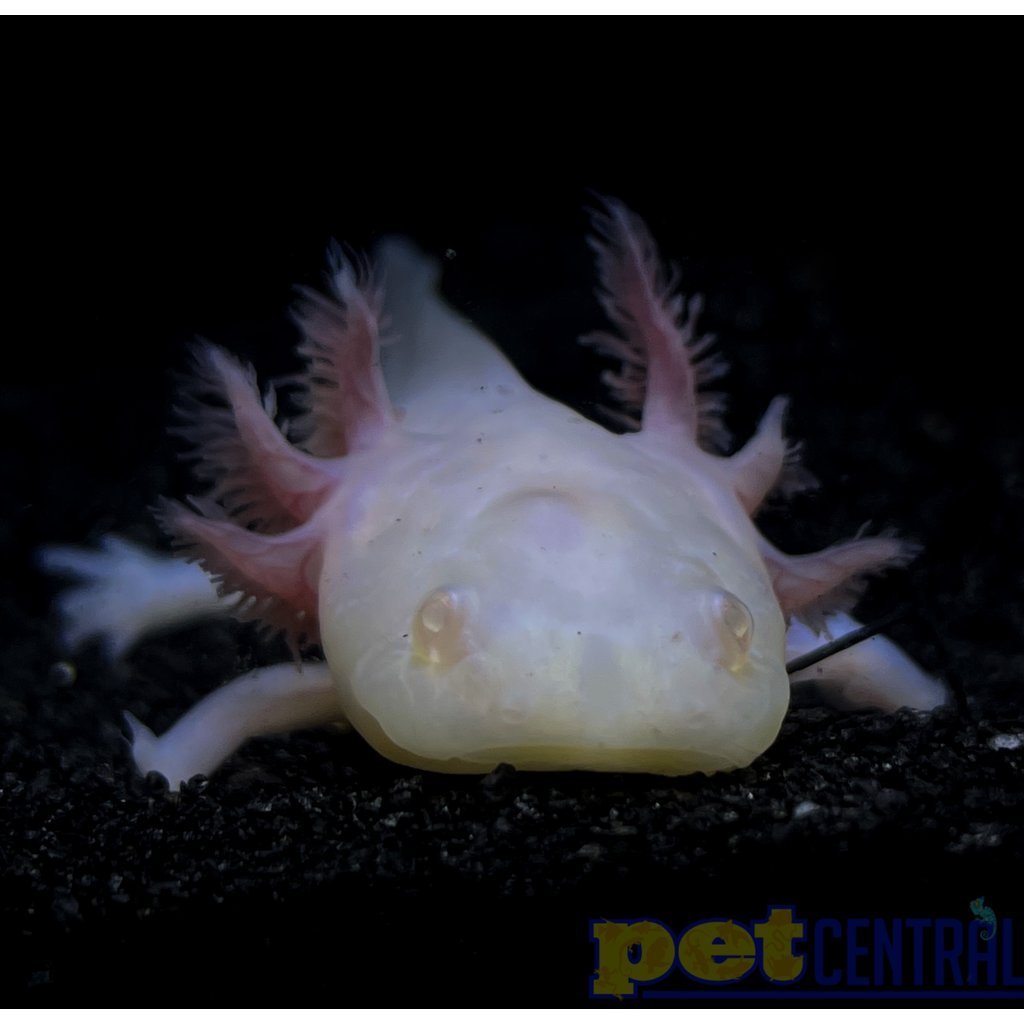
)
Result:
{"points": [[491, 576]]}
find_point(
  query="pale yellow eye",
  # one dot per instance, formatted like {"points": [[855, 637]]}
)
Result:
{"points": [[734, 629], [439, 627]]}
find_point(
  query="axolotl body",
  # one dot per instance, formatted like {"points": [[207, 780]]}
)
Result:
{"points": [[491, 576]]}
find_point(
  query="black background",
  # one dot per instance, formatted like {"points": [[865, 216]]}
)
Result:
{"points": [[859, 253]]}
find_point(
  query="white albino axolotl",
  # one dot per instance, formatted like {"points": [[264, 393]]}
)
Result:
{"points": [[491, 576]]}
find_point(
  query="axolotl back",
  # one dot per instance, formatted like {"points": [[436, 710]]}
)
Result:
{"points": [[491, 576]]}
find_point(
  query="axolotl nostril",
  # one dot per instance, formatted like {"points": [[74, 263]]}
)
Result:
{"points": [[491, 576]]}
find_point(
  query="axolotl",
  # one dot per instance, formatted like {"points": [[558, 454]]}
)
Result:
{"points": [[491, 576]]}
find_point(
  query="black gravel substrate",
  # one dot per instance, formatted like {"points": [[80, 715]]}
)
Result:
{"points": [[310, 870]]}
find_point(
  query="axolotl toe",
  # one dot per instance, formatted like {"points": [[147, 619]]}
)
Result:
{"points": [[491, 576]]}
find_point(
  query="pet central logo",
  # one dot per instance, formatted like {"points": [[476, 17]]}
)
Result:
{"points": [[786, 956]]}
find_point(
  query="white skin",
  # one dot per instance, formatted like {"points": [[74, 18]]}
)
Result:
{"points": [[491, 576]]}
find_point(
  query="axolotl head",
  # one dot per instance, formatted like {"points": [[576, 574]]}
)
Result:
{"points": [[554, 625]]}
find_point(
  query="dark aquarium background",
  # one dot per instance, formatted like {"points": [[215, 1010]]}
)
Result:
{"points": [[867, 277]]}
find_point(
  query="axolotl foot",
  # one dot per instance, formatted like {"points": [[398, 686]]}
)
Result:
{"points": [[125, 592]]}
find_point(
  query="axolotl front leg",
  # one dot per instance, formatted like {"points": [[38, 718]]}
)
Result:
{"points": [[263, 702], [126, 593]]}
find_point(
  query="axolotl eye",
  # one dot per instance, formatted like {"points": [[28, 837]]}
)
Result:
{"points": [[439, 627], [731, 626]]}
